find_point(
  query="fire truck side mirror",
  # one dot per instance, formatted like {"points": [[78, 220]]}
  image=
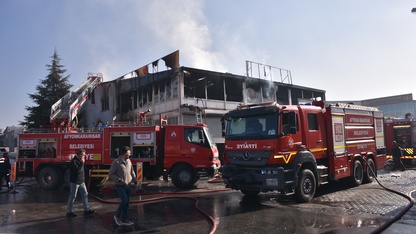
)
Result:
{"points": [[223, 126]]}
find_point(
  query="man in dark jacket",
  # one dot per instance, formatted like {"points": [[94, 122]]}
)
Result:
{"points": [[77, 181], [397, 154], [5, 168]]}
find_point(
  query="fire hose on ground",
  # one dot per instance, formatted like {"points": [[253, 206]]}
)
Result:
{"points": [[214, 224], [210, 219], [401, 213]]}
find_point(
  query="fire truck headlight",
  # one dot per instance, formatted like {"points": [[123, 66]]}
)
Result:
{"points": [[269, 172]]}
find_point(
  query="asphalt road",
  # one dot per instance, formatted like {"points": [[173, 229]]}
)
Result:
{"points": [[209, 207]]}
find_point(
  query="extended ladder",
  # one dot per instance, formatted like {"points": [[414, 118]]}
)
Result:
{"points": [[198, 115], [68, 106]]}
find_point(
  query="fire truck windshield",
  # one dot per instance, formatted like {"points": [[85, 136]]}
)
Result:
{"points": [[252, 127]]}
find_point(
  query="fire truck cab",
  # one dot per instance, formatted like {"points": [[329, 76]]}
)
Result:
{"points": [[295, 148]]}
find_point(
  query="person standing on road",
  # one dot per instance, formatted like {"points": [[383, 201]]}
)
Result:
{"points": [[123, 175], [77, 181], [397, 154], [5, 168]]}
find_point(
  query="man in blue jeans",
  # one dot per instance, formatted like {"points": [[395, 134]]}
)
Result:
{"points": [[77, 181], [123, 175]]}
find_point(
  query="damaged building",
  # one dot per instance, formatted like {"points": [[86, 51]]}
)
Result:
{"points": [[185, 95]]}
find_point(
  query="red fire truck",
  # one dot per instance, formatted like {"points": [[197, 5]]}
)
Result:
{"points": [[295, 148], [403, 131], [182, 151]]}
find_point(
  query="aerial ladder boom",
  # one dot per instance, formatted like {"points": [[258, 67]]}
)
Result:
{"points": [[66, 108]]}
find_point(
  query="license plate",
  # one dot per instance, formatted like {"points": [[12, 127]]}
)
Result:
{"points": [[271, 182]]}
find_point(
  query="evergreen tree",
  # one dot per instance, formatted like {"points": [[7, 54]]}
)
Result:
{"points": [[49, 91]]}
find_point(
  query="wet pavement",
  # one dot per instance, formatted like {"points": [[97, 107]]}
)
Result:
{"points": [[161, 208]]}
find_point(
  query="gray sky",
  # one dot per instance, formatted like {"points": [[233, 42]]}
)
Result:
{"points": [[353, 49]]}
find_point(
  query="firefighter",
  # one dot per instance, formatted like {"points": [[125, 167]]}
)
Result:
{"points": [[5, 168], [397, 154]]}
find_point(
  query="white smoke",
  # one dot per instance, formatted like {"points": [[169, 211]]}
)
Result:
{"points": [[181, 24]]}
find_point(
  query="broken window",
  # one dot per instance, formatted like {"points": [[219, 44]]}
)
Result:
{"points": [[156, 96], [162, 92], [148, 95], [296, 95], [215, 88], [145, 98], [253, 91], [188, 86], [194, 84], [233, 89], [140, 98], [135, 100], [105, 103], [175, 92], [269, 91], [307, 94], [126, 104], [199, 88], [168, 90], [282, 95]]}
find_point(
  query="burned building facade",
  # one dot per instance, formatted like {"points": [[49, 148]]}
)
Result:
{"points": [[184, 95]]}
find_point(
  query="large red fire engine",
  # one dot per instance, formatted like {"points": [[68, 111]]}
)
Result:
{"points": [[295, 148], [183, 151], [403, 131]]}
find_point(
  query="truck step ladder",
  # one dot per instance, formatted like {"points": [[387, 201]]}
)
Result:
{"points": [[322, 174]]}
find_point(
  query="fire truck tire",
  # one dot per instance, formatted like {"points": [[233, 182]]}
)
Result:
{"points": [[306, 187], [357, 174], [250, 192], [49, 178], [183, 176], [368, 175]]}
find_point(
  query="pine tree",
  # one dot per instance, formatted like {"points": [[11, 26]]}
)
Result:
{"points": [[49, 91]]}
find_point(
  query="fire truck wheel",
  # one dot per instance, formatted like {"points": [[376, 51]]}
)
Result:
{"points": [[306, 187], [368, 175], [183, 177], [49, 178], [358, 174]]}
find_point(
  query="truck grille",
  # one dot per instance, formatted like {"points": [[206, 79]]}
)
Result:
{"points": [[252, 158]]}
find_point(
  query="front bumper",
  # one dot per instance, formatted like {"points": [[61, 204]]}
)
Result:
{"points": [[259, 179]]}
